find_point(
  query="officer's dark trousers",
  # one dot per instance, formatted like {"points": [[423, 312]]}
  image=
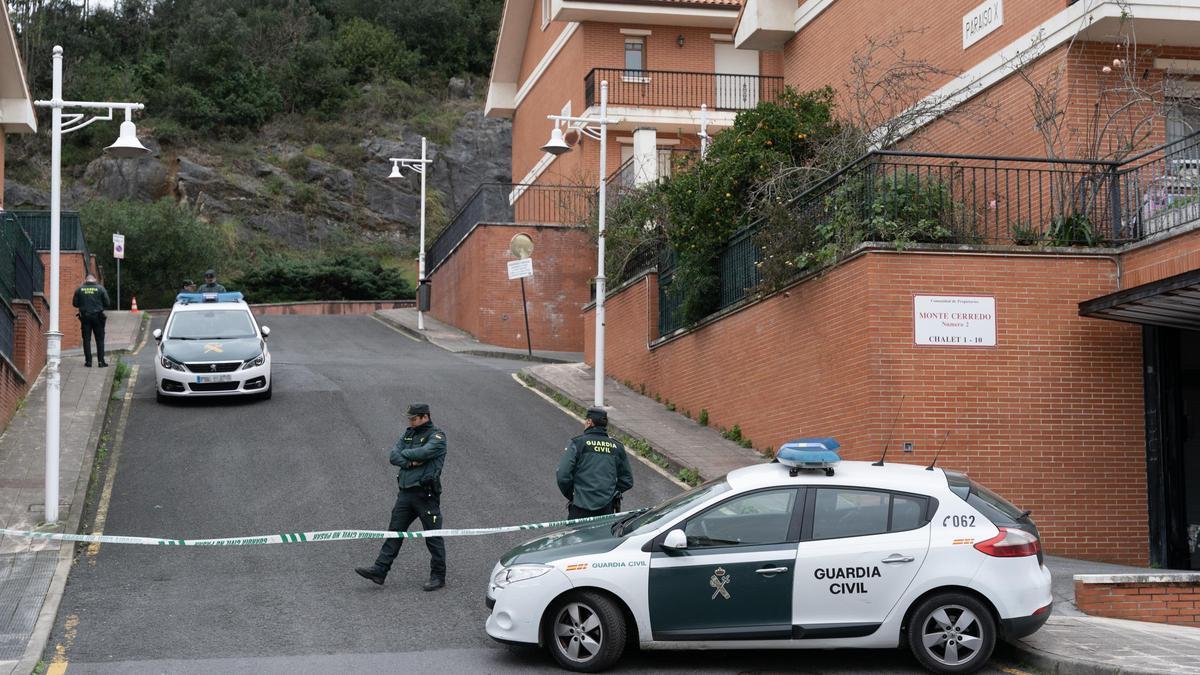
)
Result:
{"points": [[576, 512], [92, 324], [412, 504]]}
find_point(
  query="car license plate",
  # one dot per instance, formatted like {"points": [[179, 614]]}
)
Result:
{"points": [[202, 379]]}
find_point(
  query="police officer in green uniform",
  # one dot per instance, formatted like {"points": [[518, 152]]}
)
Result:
{"points": [[210, 283], [594, 469], [420, 454], [91, 299]]}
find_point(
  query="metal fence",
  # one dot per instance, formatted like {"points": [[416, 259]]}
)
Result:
{"points": [[909, 197], [678, 89], [21, 275], [505, 203]]}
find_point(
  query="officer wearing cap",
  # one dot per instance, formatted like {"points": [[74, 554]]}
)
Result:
{"points": [[420, 454], [594, 469], [210, 283]]}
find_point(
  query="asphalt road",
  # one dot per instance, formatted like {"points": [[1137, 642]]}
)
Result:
{"points": [[314, 458]]}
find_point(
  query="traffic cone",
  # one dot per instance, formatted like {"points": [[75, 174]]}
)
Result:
{"points": [[133, 307]]}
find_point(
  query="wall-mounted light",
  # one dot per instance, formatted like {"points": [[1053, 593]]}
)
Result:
{"points": [[679, 40]]}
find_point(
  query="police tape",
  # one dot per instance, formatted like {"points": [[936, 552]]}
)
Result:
{"points": [[305, 537]]}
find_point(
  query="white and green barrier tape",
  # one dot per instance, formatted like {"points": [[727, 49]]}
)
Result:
{"points": [[301, 537]]}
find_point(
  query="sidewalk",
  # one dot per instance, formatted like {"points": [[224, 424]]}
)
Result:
{"points": [[33, 573], [1070, 642], [454, 340]]}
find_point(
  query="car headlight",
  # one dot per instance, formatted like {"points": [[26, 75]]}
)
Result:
{"points": [[169, 364], [256, 361], [511, 575]]}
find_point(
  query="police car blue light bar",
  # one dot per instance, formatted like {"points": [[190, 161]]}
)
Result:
{"points": [[818, 454], [228, 296]]}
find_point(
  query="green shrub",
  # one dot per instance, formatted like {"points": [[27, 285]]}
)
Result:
{"points": [[1026, 235], [1073, 230], [703, 420], [352, 276], [167, 244], [690, 476]]}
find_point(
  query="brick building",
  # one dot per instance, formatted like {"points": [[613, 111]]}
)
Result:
{"points": [[1071, 381]]}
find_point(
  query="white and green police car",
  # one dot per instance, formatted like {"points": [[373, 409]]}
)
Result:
{"points": [[212, 346], [775, 556]]}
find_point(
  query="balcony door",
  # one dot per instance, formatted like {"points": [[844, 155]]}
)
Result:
{"points": [[737, 77]]}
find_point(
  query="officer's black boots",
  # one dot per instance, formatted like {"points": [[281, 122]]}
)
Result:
{"points": [[435, 582], [372, 574], [103, 363]]}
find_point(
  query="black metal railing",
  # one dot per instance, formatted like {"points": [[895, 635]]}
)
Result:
{"points": [[21, 271], [909, 197], [505, 203], [677, 89]]}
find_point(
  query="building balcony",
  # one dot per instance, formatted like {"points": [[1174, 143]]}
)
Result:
{"points": [[668, 96]]}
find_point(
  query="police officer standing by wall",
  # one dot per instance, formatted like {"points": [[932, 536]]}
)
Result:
{"points": [[594, 469], [91, 299], [420, 454]]}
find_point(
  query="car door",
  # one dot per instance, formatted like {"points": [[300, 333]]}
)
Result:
{"points": [[733, 581], [859, 551]]}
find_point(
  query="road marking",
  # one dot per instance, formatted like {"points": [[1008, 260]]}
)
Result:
{"points": [[1012, 671], [117, 440], [395, 329], [58, 663], [661, 471], [145, 336]]}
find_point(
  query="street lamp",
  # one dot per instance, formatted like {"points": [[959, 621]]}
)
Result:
{"points": [[595, 129], [127, 145], [704, 137], [399, 164]]}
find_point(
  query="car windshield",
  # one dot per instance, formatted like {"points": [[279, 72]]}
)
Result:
{"points": [[675, 506], [212, 324]]}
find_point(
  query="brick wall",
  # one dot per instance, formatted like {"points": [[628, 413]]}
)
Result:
{"points": [[71, 275], [29, 354], [1160, 601], [471, 289], [1147, 263], [329, 307], [834, 355]]}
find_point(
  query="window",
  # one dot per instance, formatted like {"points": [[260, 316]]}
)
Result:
{"points": [[676, 506], [545, 14], [756, 518], [635, 53], [217, 324], [849, 512]]}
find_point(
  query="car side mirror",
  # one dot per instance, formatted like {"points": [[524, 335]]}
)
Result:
{"points": [[675, 540], [157, 333], [266, 331]]}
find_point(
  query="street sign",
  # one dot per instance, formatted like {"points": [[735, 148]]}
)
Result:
{"points": [[519, 269], [118, 246]]}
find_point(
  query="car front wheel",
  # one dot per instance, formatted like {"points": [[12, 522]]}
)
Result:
{"points": [[586, 632], [952, 633]]}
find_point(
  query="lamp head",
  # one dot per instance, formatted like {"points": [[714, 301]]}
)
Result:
{"points": [[556, 145], [396, 173], [127, 145]]}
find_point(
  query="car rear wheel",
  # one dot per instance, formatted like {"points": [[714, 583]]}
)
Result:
{"points": [[586, 632], [952, 633]]}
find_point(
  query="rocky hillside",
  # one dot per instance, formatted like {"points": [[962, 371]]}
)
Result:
{"points": [[282, 188]]}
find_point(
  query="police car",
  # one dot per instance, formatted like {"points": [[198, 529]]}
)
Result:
{"points": [[212, 346], [849, 554]]}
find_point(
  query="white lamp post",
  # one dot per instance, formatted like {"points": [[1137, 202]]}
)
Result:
{"points": [[418, 165], [127, 145], [704, 137], [595, 129]]}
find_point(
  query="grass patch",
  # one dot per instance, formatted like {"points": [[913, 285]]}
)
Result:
{"points": [[703, 419], [690, 476]]}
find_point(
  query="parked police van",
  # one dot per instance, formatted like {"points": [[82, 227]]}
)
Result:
{"points": [[805, 552]]}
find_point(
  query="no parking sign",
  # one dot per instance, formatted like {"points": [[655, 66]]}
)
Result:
{"points": [[119, 246]]}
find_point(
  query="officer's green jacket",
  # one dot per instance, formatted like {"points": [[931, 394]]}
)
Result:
{"points": [[211, 288], [593, 470], [425, 444], [90, 298]]}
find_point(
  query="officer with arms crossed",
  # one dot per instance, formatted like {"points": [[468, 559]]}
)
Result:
{"points": [[91, 299], [420, 454], [594, 469]]}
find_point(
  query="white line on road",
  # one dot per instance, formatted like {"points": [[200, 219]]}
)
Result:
{"points": [[395, 329], [661, 471], [114, 453]]}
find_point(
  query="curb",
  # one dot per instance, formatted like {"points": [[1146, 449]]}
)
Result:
{"points": [[1052, 664], [673, 465], [66, 554], [418, 335]]}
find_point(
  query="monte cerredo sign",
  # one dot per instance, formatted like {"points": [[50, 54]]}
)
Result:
{"points": [[954, 320], [982, 20]]}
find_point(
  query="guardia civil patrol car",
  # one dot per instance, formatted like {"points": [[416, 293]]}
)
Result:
{"points": [[212, 346], [851, 554]]}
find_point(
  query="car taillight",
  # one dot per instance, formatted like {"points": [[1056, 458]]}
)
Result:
{"points": [[1010, 543]]}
